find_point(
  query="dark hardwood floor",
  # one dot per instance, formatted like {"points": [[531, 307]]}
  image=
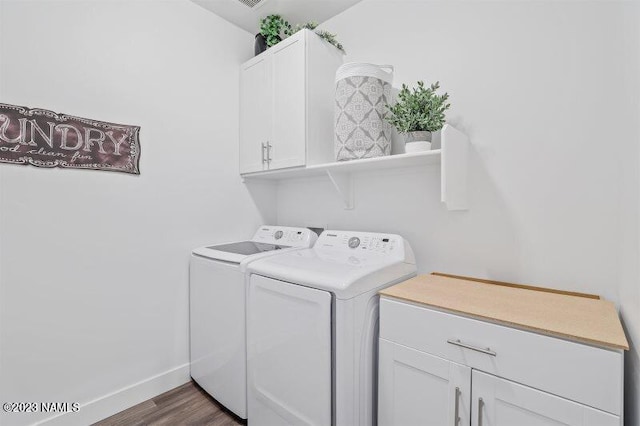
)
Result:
{"points": [[184, 405]]}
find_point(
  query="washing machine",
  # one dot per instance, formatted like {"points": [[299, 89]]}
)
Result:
{"points": [[217, 309], [312, 327]]}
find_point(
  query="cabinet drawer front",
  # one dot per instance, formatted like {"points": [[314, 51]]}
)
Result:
{"points": [[582, 373]]}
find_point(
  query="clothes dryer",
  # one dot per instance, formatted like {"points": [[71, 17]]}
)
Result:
{"points": [[313, 329]]}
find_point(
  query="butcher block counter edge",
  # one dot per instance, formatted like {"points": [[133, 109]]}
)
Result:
{"points": [[583, 318]]}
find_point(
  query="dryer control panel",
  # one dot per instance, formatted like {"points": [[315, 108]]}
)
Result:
{"points": [[285, 236], [363, 243]]}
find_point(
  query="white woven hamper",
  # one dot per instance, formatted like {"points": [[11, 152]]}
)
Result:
{"points": [[363, 92]]}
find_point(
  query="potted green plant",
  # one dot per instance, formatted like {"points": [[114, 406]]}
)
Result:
{"points": [[325, 35], [273, 29], [417, 113]]}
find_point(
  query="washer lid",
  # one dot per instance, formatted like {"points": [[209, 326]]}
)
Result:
{"points": [[266, 240], [344, 263], [247, 247]]}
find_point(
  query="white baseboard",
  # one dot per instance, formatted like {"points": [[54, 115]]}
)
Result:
{"points": [[110, 404]]}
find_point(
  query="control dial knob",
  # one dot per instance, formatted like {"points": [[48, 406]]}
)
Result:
{"points": [[278, 235], [354, 242]]}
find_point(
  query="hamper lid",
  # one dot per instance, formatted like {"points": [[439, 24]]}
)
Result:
{"points": [[363, 69]]}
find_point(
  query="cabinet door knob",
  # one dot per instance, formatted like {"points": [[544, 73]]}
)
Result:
{"points": [[264, 160], [480, 407], [268, 152], [456, 412], [457, 342]]}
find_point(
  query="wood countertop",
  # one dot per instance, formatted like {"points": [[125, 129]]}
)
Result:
{"points": [[573, 316]]}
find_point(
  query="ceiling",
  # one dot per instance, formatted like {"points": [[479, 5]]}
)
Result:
{"points": [[294, 11]]}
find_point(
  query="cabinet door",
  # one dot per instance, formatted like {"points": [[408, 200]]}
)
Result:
{"points": [[256, 113], [499, 402], [416, 388], [288, 144]]}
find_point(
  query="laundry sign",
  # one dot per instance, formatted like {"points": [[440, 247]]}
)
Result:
{"points": [[44, 138]]}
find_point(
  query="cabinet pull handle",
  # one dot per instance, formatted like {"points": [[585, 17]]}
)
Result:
{"points": [[268, 152], [263, 149], [456, 413], [457, 342], [480, 407]]}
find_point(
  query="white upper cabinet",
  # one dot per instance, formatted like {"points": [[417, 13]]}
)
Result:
{"points": [[288, 126], [286, 104], [255, 114]]}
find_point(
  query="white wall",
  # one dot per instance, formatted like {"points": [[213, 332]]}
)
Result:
{"points": [[94, 275], [545, 90], [629, 296], [93, 278]]}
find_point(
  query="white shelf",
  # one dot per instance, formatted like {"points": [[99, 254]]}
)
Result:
{"points": [[368, 164], [452, 156]]}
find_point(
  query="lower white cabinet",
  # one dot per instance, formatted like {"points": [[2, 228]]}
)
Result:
{"points": [[499, 402], [416, 388], [440, 369]]}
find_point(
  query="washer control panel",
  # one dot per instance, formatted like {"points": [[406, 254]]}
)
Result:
{"points": [[285, 236], [360, 243]]}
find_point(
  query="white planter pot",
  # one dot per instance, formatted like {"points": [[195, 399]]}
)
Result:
{"points": [[417, 141], [417, 146]]}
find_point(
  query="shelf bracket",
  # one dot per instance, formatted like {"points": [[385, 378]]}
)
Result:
{"points": [[343, 183]]}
